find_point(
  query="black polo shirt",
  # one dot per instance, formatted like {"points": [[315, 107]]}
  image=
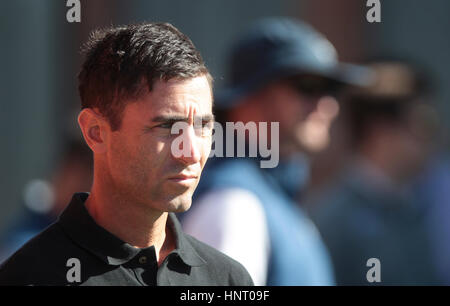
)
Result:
{"points": [[76, 251]]}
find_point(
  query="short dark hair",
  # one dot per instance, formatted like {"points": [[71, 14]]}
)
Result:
{"points": [[124, 62]]}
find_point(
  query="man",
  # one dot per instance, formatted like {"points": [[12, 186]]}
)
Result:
{"points": [[281, 69], [369, 218], [136, 82]]}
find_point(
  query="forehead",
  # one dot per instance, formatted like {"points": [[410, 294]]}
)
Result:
{"points": [[177, 97]]}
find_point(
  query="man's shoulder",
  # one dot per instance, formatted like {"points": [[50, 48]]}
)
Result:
{"points": [[36, 258], [221, 264]]}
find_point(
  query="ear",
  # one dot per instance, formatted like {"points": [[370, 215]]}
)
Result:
{"points": [[94, 128]]}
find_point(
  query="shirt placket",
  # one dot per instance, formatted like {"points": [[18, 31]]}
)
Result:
{"points": [[145, 267]]}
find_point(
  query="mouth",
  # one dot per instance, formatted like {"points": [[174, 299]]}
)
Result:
{"points": [[183, 179]]}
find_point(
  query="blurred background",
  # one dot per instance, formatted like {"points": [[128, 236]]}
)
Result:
{"points": [[40, 58]]}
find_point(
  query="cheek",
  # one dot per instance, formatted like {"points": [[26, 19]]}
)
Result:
{"points": [[151, 154], [121, 157], [130, 159], [156, 157], [161, 152]]}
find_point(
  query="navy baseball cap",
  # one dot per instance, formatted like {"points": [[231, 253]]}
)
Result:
{"points": [[276, 48]]}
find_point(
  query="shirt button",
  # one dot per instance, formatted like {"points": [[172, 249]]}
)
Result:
{"points": [[143, 260]]}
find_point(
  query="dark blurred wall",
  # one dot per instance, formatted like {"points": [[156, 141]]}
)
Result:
{"points": [[26, 117]]}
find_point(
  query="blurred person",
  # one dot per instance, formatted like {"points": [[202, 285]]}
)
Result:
{"points": [[432, 188], [370, 211], [43, 201], [135, 83], [281, 70]]}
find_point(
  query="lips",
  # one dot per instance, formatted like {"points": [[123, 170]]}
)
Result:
{"points": [[183, 179]]}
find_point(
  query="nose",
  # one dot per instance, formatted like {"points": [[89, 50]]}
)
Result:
{"points": [[186, 147]]}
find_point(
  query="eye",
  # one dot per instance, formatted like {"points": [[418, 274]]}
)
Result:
{"points": [[206, 128], [209, 124], [166, 125]]}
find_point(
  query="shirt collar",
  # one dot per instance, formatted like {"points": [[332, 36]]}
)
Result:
{"points": [[78, 224]]}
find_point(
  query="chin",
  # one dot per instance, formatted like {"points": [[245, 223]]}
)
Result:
{"points": [[179, 204]]}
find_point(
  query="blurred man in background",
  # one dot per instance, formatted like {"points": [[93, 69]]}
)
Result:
{"points": [[281, 70], [370, 212]]}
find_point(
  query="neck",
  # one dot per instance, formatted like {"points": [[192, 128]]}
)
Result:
{"points": [[133, 223]]}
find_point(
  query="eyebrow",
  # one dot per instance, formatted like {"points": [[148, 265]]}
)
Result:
{"points": [[207, 117]]}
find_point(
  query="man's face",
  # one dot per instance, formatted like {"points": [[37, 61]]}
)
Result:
{"points": [[140, 161], [292, 106]]}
